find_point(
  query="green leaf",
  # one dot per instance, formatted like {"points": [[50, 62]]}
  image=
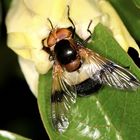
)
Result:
{"points": [[130, 14], [110, 114], [5, 135]]}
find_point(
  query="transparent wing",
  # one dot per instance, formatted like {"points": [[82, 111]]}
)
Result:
{"points": [[107, 72], [115, 75], [63, 96]]}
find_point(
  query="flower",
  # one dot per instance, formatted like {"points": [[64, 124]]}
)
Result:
{"points": [[27, 26]]}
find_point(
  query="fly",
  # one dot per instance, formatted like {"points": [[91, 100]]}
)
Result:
{"points": [[79, 70]]}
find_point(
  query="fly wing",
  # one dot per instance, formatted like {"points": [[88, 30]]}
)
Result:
{"points": [[115, 75], [107, 72], [63, 96]]}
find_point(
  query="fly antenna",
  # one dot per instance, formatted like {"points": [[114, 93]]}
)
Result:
{"points": [[50, 23]]}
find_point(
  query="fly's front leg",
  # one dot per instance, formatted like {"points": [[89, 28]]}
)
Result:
{"points": [[74, 28]]}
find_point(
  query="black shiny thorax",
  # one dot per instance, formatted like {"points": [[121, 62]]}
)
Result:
{"points": [[65, 53]]}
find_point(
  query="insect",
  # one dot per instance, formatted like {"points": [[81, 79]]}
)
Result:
{"points": [[78, 69]]}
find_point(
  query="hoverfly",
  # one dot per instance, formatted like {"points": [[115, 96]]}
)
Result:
{"points": [[77, 69]]}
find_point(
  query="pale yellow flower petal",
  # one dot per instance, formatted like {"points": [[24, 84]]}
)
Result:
{"points": [[30, 73], [17, 42], [54, 9]]}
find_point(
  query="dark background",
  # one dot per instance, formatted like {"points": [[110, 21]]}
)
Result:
{"points": [[18, 107]]}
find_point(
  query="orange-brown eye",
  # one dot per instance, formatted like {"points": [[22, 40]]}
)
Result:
{"points": [[51, 39], [63, 33]]}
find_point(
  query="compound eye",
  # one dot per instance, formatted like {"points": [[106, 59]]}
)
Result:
{"points": [[63, 33], [51, 40]]}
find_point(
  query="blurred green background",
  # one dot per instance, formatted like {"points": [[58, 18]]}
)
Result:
{"points": [[18, 107]]}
